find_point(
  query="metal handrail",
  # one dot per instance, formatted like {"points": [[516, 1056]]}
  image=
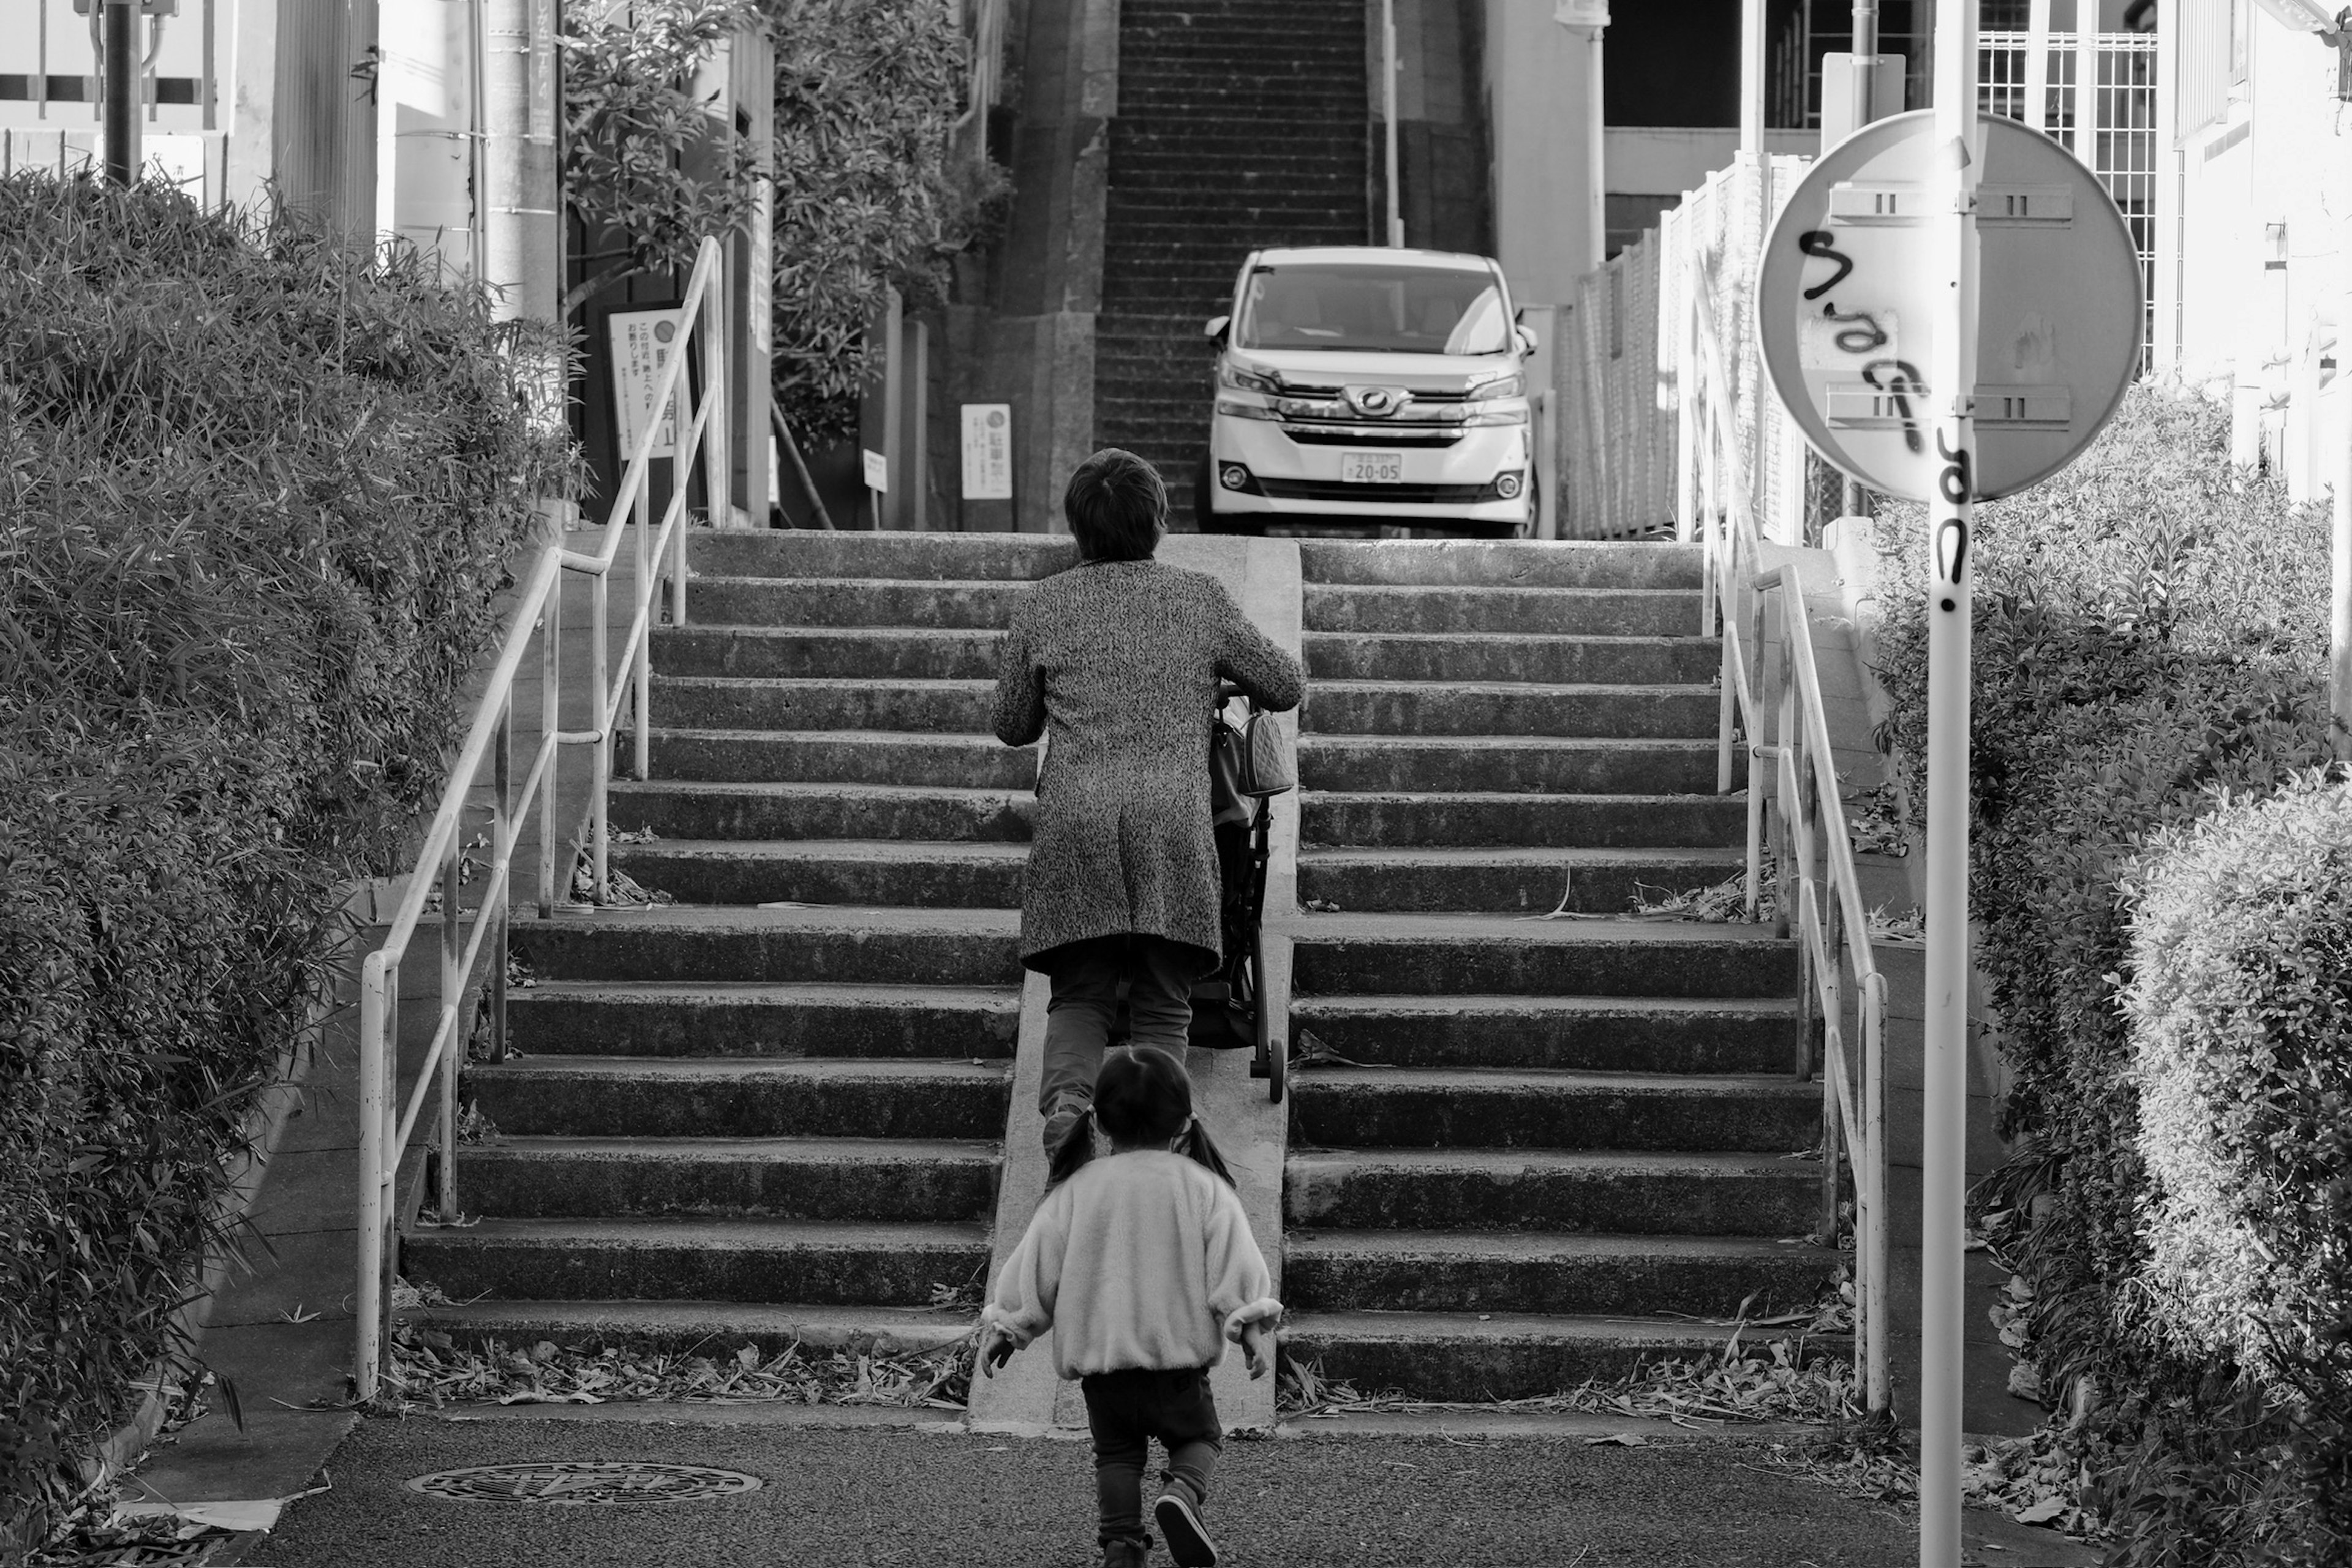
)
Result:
{"points": [[1831, 922], [538, 609]]}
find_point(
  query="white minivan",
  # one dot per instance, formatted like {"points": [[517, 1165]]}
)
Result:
{"points": [[1367, 386]]}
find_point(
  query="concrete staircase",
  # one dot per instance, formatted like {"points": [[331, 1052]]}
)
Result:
{"points": [[756, 1122], [1564, 1139], [1240, 125]]}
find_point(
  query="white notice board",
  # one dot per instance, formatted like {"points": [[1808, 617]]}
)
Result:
{"points": [[988, 451], [641, 339]]}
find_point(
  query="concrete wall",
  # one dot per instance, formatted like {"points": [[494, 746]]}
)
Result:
{"points": [[1542, 119]]}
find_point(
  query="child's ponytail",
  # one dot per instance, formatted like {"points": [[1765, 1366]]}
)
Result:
{"points": [[1075, 1148], [1198, 1147]]}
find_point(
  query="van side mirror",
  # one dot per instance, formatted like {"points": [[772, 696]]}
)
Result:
{"points": [[1216, 327], [1527, 336]]}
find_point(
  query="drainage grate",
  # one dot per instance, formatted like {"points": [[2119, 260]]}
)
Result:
{"points": [[585, 1482]]}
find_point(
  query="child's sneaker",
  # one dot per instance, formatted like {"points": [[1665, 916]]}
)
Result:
{"points": [[1188, 1539]]}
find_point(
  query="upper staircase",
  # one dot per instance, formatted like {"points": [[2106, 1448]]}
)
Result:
{"points": [[1556, 1144], [1241, 125], [775, 1109]]}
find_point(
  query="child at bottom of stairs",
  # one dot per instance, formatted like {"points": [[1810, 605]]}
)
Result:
{"points": [[1144, 1266]]}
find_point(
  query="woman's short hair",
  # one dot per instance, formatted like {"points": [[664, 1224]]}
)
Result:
{"points": [[1116, 506]]}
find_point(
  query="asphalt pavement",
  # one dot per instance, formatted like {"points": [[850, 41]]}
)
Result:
{"points": [[899, 1497]]}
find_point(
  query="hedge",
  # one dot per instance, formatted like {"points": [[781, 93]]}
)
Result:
{"points": [[256, 492], [2238, 1003], [2150, 632]]}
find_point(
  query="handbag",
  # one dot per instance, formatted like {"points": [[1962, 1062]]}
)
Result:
{"points": [[1229, 803], [1268, 766]]}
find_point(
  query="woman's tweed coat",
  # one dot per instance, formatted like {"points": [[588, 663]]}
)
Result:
{"points": [[1117, 661]]}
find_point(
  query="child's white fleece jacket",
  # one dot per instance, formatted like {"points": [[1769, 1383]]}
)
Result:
{"points": [[1141, 1259]]}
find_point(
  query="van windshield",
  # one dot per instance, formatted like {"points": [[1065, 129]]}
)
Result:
{"points": [[1376, 306]]}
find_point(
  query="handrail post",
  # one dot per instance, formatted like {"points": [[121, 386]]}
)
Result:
{"points": [[550, 715], [503, 836], [641, 682], [367, 1350], [600, 752], [453, 998], [718, 483], [1876, 1294]]}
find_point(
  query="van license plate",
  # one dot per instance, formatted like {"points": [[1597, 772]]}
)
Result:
{"points": [[1371, 467]]}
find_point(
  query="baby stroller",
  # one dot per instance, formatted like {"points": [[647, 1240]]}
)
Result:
{"points": [[1226, 1003]]}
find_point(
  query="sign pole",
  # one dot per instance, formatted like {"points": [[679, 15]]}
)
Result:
{"points": [[1952, 376]]}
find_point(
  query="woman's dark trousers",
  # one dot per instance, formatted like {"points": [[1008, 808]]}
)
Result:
{"points": [[1085, 977]]}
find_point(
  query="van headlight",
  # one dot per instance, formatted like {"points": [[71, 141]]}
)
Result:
{"points": [[1510, 383], [1504, 411], [1238, 378]]}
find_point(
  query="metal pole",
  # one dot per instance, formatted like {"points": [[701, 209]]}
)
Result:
{"points": [[502, 837], [2037, 65], [551, 671], [600, 777], [367, 1350], [2086, 83], [1951, 377], [2339, 620], [1388, 113], [453, 997], [121, 89], [1866, 106]]}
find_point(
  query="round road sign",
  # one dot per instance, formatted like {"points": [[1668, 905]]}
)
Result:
{"points": [[1847, 298]]}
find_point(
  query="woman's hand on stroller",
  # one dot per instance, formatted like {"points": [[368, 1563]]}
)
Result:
{"points": [[996, 1347]]}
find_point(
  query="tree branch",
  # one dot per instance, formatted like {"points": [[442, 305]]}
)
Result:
{"points": [[588, 289]]}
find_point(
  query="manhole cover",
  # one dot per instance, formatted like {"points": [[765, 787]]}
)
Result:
{"points": [[585, 1483]]}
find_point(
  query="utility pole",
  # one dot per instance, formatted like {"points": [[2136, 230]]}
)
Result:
{"points": [[121, 90], [2339, 620], [1951, 381], [1389, 115]]}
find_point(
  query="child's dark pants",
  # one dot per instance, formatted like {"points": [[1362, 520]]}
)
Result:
{"points": [[1124, 1410]]}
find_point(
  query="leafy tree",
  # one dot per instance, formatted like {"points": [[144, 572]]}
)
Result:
{"points": [[867, 198], [646, 163]]}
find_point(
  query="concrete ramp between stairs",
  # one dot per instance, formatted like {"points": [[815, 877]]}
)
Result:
{"points": [[1026, 1398]]}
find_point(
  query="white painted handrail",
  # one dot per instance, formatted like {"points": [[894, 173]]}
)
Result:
{"points": [[385, 1128], [1820, 897]]}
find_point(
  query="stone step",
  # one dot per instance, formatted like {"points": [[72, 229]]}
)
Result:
{"points": [[1524, 881], [1554, 821], [684, 809], [835, 653], [683, 1328], [1713, 1036], [886, 1180], [1483, 954], [1483, 1357], [1521, 563], [1306, 147], [721, 702], [852, 602], [910, 873], [1385, 764], [1508, 708], [1464, 657], [1377, 608], [1538, 1272], [737, 1018], [821, 1263], [700, 1097], [819, 552], [1550, 1190], [859, 946], [902, 757], [1473, 1108]]}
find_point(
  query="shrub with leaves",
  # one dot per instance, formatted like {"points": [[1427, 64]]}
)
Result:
{"points": [[2149, 631], [647, 164], [865, 197], [257, 496]]}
